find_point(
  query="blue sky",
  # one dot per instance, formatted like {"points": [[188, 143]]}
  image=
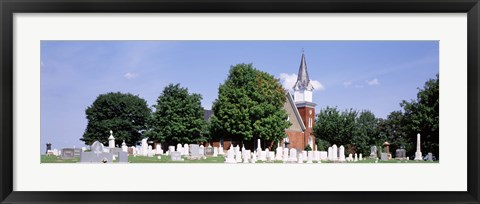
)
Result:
{"points": [[373, 75]]}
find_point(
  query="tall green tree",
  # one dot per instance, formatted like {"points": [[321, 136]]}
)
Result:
{"points": [[366, 131], [124, 114], [178, 117], [392, 130], [422, 116], [335, 127], [249, 106]]}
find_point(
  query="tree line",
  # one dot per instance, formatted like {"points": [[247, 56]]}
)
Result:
{"points": [[359, 130], [249, 107]]}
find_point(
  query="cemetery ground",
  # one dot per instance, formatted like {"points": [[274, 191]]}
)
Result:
{"points": [[219, 159]]}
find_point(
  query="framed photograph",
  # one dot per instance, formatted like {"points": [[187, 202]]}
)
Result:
{"points": [[235, 101]]}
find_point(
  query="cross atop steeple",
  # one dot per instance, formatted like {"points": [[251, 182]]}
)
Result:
{"points": [[303, 81]]}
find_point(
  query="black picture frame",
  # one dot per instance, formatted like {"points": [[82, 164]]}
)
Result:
{"points": [[10, 7]]}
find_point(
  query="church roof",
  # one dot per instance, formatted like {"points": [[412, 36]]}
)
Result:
{"points": [[303, 81], [290, 102]]}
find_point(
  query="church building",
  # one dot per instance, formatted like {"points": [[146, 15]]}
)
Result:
{"points": [[301, 111]]}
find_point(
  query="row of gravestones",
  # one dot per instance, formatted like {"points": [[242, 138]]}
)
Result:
{"points": [[400, 154], [235, 155]]}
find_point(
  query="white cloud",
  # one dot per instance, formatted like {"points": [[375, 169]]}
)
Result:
{"points": [[288, 81], [373, 82], [130, 75], [317, 85], [347, 83]]}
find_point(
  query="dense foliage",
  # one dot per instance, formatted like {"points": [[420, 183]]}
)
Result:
{"points": [[249, 106], [125, 114], [422, 116], [178, 118], [360, 130]]}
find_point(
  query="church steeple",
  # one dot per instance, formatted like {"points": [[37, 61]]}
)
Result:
{"points": [[303, 87], [303, 81]]}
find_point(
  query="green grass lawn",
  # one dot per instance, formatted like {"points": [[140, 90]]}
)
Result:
{"points": [[166, 159], [57, 159], [219, 159]]}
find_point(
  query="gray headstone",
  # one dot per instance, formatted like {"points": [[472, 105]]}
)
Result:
{"points": [[400, 154], [176, 156], [384, 157], [68, 153], [96, 157], [209, 151], [76, 152], [115, 150], [97, 147], [373, 152], [430, 157], [122, 157], [195, 151]]}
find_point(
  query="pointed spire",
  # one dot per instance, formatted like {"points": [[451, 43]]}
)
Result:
{"points": [[303, 81]]}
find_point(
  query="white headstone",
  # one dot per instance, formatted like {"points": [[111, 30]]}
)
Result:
{"points": [[360, 156], [201, 150], [180, 148], [215, 151], [134, 150], [350, 157], [342, 154], [246, 156], [310, 157], [279, 153], [124, 146], [171, 149], [158, 149], [230, 156], [259, 147], [267, 154], [237, 149], [254, 157], [316, 156], [271, 156], [300, 158], [285, 155], [150, 151], [186, 149], [418, 153], [111, 140], [220, 150], [356, 157], [323, 155], [335, 152], [144, 147], [330, 154], [293, 155], [262, 156]]}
